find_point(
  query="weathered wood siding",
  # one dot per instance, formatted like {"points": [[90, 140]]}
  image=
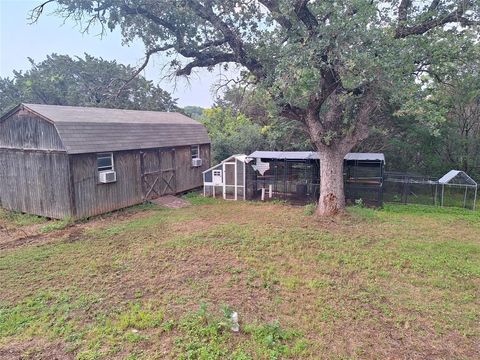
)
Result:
{"points": [[187, 176], [35, 182], [34, 172], [158, 172], [37, 176], [92, 197], [24, 130]]}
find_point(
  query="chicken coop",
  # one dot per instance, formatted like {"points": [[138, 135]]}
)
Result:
{"points": [[227, 179], [292, 176]]}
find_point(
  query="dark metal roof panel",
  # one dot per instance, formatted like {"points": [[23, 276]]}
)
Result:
{"points": [[313, 155], [365, 156], [285, 155]]}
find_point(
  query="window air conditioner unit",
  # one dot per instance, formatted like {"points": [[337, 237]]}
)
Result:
{"points": [[106, 177], [196, 162]]}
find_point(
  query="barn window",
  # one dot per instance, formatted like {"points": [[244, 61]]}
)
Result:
{"points": [[105, 162], [195, 151]]}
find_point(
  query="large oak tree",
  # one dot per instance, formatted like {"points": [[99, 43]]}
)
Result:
{"points": [[325, 63]]}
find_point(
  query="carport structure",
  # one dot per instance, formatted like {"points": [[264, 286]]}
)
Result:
{"points": [[457, 182]]}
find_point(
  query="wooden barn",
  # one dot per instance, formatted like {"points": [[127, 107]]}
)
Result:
{"points": [[64, 161]]}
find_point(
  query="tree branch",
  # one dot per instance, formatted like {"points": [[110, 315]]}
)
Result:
{"points": [[455, 16], [361, 129], [305, 15], [206, 54], [292, 112], [232, 38], [206, 60], [37, 11], [434, 5], [148, 54], [274, 9], [403, 11]]}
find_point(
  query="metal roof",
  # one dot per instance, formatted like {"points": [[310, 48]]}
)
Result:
{"points": [[87, 129], [461, 178], [240, 157], [365, 157], [288, 155], [312, 155]]}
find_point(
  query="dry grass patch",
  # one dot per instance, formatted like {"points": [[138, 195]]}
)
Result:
{"points": [[156, 283]]}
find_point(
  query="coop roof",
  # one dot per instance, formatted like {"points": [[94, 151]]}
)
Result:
{"points": [[284, 155], [365, 157], [239, 157], [457, 177], [312, 155], [88, 129]]}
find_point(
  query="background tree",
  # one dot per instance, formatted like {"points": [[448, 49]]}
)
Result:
{"points": [[195, 112], [326, 64], [434, 127], [461, 130], [89, 81], [232, 133], [280, 133]]}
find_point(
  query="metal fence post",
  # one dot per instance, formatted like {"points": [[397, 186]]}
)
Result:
{"points": [[475, 198]]}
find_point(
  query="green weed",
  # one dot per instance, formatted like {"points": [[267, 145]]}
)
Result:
{"points": [[309, 209], [196, 198], [20, 219], [57, 225]]}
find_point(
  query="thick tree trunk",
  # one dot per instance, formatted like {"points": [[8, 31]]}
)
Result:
{"points": [[332, 196]]}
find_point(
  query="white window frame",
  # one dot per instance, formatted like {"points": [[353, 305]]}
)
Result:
{"points": [[105, 168], [198, 151]]}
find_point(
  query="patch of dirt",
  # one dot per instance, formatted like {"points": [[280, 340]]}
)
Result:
{"points": [[183, 280], [32, 235], [27, 240], [75, 234], [35, 349], [36, 239], [171, 202], [380, 337], [116, 217], [9, 234], [192, 226]]}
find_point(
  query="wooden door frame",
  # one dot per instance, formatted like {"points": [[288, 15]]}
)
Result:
{"points": [[172, 171], [159, 173]]}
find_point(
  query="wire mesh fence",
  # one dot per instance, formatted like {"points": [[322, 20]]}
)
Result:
{"points": [[295, 181], [407, 188]]}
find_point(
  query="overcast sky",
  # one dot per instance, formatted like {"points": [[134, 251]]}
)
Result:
{"points": [[19, 40]]}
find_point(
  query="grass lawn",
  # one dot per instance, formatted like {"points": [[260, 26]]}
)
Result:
{"points": [[153, 283]]}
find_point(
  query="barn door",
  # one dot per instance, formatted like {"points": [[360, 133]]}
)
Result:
{"points": [[158, 173], [168, 176]]}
